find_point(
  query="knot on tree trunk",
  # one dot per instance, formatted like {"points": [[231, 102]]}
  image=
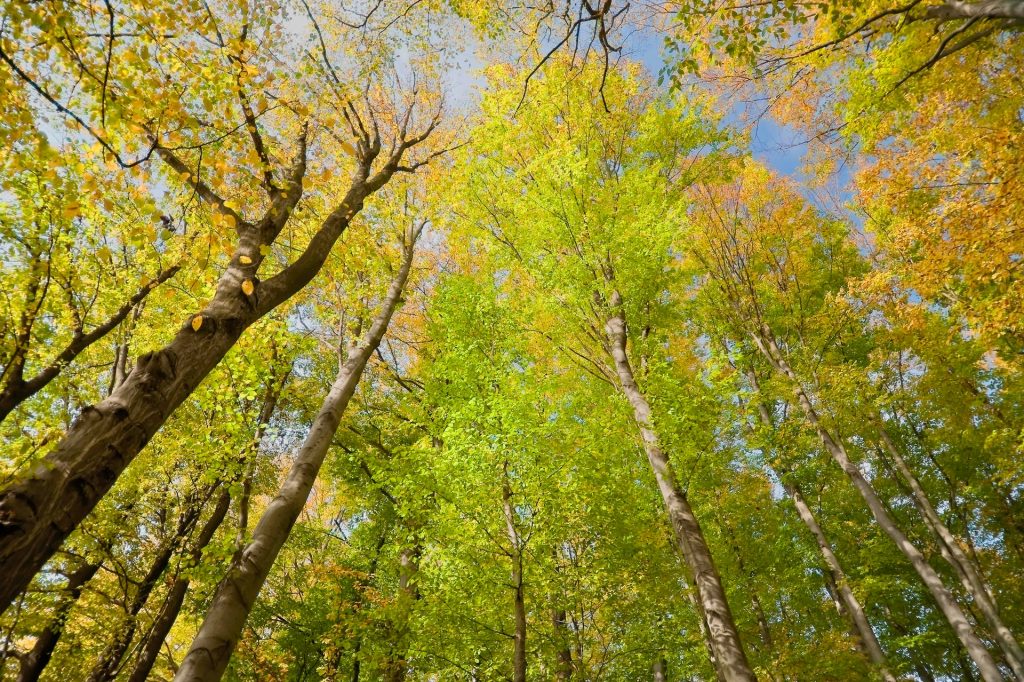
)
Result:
{"points": [[155, 368]]}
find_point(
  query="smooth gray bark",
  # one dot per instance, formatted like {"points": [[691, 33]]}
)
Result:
{"points": [[984, 9], [765, 341], [729, 657], [966, 570], [213, 645], [862, 630]]}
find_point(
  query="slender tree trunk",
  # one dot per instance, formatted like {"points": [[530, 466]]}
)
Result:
{"points": [[765, 342], [966, 569], [851, 607], [518, 601], [865, 635], [33, 662], [396, 668], [154, 639], [211, 650], [724, 637]]}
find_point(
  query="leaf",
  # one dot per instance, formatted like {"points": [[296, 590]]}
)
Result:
{"points": [[247, 287], [73, 210], [245, 260], [264, 249], [197, 322]]}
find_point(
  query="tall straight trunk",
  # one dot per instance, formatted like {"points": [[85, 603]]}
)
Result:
{"points": [[213, 645], [968, 572], [33, 662], [158, 632], [109, 663], [730, 658], [765, 341], [864, 634], [43, 505], [518, 597]]}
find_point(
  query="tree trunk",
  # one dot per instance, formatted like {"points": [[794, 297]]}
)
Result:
{"points": [[154, 639], [966, 569], [730, 658], [33, 663], [211, 650], [46, 503], [866, 640], [1012, 10], [396, 667], [518, 600], [765, 342]]}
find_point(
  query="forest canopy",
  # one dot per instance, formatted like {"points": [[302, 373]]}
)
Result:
{"points": [[447, 340]]}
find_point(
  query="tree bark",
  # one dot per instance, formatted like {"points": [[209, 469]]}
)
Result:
{"points": [[518, 596], [1012, 10], [154, 639], [46, 503], [660, 670], [33, 662], [864, 634], [765, 341], [966, 570], [563, 661], [213, 645], [730, 658]]}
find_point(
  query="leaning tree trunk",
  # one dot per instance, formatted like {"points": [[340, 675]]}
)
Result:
{"points": [[46, 503], [765, 342], [213, 645], [518, 596], [865, 635], [966, 570], [33, 662], [730, 658]]}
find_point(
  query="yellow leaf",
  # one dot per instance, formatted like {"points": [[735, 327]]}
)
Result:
{"points": [[72, 210], [244, 260], [264, 249], [348, 148], [197, 322], [247, 287]]}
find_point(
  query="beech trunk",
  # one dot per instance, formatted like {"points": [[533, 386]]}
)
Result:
{"points": [[957, 619], [729, 657], [213, 645]]}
